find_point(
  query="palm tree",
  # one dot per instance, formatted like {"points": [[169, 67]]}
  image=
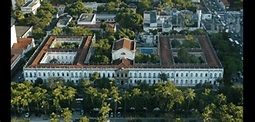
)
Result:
{"points": [[147, 96], [54, 117], [67, 114], [94, 77], [84, 119], [105, 108], [189, 95], [92, 93], [69, 92], [126, 96], [136, 92], [116, 97]]}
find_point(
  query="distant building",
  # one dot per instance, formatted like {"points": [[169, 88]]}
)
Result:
{"points": [[149, 20], [61, 9], [31, 6], [18, 50], [86, 19], [109, 18], [64, 21]]}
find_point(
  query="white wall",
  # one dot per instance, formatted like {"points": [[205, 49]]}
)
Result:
{"points": [[180, 77], [118, 54], [13, 35]]}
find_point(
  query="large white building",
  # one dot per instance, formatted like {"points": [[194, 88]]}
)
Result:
{"points": [[31, 6], [71, 65]]}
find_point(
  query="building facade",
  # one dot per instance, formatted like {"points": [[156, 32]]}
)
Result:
{"points": [[71, 64]]}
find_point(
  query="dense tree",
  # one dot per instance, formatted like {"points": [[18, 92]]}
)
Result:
{"points": [[78, 31], [76, 8], [47, 6], [130, 20], [124, 33], [163, 77], [56, 31], [38, 95]]}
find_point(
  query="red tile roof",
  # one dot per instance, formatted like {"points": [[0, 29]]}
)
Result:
{"points": [[124, 62], [124, 43], [16, 51], [225, 2], [165, 53], [19, 45], [24, 40]]}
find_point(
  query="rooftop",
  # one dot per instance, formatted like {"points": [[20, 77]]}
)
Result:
{"points": [[123, 43], [86, 17], [165, 54], [21, 30]]}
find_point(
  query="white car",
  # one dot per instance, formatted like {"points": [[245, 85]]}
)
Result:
{"points": [[27, 115]]}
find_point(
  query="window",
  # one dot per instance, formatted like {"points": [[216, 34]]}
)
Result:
{"points": [[187, 74], [149, 75], [196, 74], [63, 74], [181, 74], [191, 75], [44, 74], [176, 74], [201, 75], [144, 75]]}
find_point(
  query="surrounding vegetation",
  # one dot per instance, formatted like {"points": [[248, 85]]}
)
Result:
{"points": [[57, 99], [147, 58], [189, 42], [228, 55], [183, 56]]}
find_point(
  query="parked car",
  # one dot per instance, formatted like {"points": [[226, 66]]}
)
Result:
{"points": [[27, 115]]}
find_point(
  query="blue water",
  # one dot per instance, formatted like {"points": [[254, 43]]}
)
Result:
{"points": [[147, 51]]}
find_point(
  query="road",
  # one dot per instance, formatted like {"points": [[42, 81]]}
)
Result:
{"points": [[76, 116]]}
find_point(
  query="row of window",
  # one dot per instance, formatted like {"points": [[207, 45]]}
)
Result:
{"points": [[71, 57], [135, 75], [176, 82]]}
